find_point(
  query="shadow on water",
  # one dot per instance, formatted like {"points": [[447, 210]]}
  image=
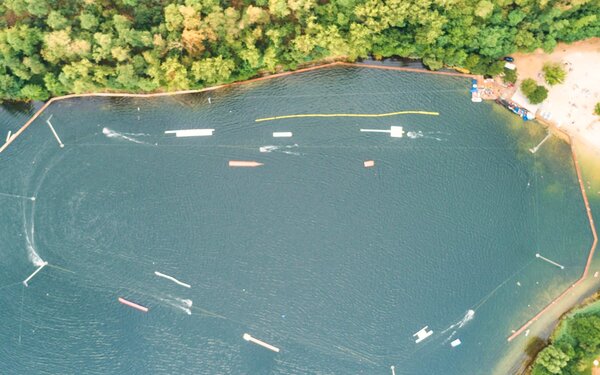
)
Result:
{"points": [[257, 360], [18, 108]]}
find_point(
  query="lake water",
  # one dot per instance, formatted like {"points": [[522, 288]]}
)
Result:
{"points": [[336, 264]]}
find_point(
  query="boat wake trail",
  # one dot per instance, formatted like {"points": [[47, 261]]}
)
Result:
{"points": [[32, 254], [123, 136], [283, 149], [458, 325], [184, 305], [427, 135]]}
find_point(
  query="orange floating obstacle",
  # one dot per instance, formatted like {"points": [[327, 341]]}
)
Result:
{"points": [[244, 163], [133, 304]]}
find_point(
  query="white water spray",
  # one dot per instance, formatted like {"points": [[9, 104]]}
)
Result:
{"points": [[470, 314], [283, 149], [113, 134]]}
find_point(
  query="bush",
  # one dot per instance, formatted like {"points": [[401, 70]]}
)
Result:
{"points": [[554, 73], [528, 86], [510, 75], [597, 109], [534, 93], [538, 95]]}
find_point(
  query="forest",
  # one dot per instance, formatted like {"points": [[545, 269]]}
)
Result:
{"points": [[54, 47], [574, 347]]}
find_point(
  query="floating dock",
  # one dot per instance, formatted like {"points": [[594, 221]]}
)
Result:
{"points": [[249, 338], [191, 132], [244, 163], [455, 343], [133, 304], [369, 163], [282, 134], [395, 131], [422, 334]]}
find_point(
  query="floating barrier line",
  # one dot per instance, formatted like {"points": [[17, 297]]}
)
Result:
{"points": [[348, 115], [590, 255], [172, 279]]}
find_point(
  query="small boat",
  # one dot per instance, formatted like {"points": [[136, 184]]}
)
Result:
{"points": [[475, 96], [514, 108]]}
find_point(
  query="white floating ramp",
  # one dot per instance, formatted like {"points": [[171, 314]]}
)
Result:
{"points": [[422, 334], [54, 132], [244, 163], [282, 134], [249, 338], [395, 131], [26, 281], [191, 132], [550, 261], [159, 274]]}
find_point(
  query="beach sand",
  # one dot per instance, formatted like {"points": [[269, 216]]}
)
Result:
{"points": [[570, 105]]}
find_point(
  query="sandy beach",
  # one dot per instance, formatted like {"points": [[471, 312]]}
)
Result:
{"points": [[570, 105]]}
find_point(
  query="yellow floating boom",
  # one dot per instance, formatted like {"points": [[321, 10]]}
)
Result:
{"points": [[349, 115]]}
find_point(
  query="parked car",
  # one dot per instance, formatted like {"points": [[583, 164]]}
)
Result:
{"points": [[508, 59]]}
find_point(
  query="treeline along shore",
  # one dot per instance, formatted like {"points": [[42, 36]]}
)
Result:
{"points": [[52, 48]]}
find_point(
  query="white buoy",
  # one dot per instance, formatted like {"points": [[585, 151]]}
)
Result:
{"points": [[249, 338], [34, 273], [209, 101], [455, 343]]}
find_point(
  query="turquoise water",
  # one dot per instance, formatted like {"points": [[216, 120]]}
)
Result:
{"points": [[336, 264]]}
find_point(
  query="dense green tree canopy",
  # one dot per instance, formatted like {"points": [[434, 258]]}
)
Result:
{"points": [[52, 47]]}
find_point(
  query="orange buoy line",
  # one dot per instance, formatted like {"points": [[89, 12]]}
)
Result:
{"points": [[133, 304], [590, 255]]}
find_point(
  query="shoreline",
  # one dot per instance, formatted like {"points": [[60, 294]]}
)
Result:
{"points": [[212, 88], [553, 127]]}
